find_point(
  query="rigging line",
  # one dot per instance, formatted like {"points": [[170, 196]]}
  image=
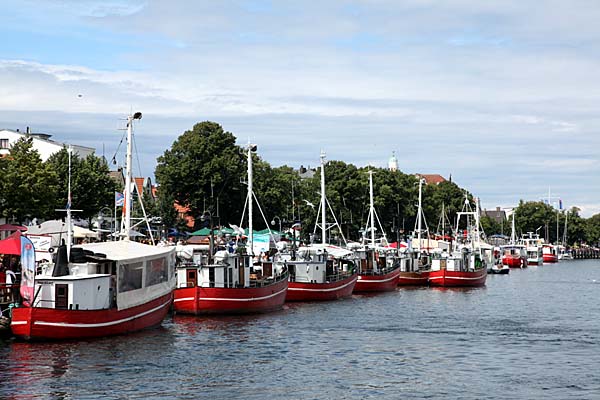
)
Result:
{"points": [[114, 157], [263, 215]]}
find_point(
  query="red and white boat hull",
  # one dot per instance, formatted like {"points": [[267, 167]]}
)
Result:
{"points": [[202, 300], [377, 283], [446, 278], [413, 278], [514, 262], [550, 258], [302, 291], [50, 323]]}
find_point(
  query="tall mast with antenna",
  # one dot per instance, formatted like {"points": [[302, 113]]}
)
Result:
{"points": [[250, 148], [371, 209], [128, 177], [323, 205], [419, 214]]}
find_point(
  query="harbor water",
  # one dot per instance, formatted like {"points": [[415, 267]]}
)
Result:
{"points": [[533, 334]]}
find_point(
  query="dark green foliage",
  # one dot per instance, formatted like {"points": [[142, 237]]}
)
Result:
{"points": [[28, 185], [202, 171], [91, 185]]}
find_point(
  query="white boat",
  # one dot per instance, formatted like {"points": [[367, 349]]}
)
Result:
{"points": [[97, 289]]}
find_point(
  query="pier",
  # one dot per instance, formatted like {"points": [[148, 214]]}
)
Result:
{"points": [[585, 253]]}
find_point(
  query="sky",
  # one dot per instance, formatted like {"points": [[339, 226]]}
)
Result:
{"points": [[503, 96]]}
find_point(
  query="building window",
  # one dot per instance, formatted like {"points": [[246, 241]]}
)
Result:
{"points": [[3, 143]]}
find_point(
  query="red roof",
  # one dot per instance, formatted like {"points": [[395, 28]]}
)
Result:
{"points": [[435, 179], [183, 213], [139, 183]]}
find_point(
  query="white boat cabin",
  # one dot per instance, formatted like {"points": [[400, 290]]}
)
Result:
{"points": [[315, 265], [116, 275], [460, 261]]}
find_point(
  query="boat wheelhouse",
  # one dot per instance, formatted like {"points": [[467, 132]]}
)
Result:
{"points": [[230, 283], [316, 274], [549, 253], [514, 255]]}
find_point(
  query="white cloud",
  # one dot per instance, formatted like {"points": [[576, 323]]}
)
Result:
{"points": [[492, 92]]}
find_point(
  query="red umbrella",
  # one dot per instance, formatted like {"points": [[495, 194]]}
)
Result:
{"points": [[9, 227], [12, 244]]}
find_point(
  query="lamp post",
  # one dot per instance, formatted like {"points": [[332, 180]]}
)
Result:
{"points": [[278, 219], [101, 219]]}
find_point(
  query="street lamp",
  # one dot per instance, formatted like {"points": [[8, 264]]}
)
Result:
{"points": [[273, 222], [101, 219]]}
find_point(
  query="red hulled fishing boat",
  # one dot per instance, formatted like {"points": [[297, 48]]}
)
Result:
{"points": [[96, 289], [231, 282], [320, 274]]}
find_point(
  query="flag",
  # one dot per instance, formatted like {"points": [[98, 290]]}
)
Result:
{"points": [[119, 199], [27, 270], [560, 204]]}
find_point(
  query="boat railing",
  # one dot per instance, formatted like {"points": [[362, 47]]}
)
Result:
{"points": [[380, 271]]}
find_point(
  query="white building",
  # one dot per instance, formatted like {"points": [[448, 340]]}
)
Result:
{"points": [[393, 162], [41, 143]]}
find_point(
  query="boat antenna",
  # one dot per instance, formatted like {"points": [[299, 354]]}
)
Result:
{"points": [[128, 177]]}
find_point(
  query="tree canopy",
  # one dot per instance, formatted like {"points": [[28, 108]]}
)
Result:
{"points": [[91, 185], [28, 186]]}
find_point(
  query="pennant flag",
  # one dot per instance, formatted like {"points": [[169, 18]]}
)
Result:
{"points": [[27, 270], [119, 199]]}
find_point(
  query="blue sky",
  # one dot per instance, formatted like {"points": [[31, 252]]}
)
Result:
{"points": [[503, 95]]}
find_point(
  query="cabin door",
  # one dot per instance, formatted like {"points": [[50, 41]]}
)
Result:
{"points": [[191, 278], [61, 296]]}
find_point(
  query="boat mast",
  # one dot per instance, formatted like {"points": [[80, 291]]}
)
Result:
{"points": [[419, 213], [128, 177], [371, 209], [69, 220], [323, 205], [250, 148], [513, 239]]}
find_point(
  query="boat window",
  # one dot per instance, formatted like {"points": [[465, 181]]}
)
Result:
{"points": [[158, 271], [130, 276]]}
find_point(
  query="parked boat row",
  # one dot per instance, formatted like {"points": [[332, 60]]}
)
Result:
{"points": [[109, 288]]}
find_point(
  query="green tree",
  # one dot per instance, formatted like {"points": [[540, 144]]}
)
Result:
{"points": [[29, 186], [537, 217], [490, 226], [203, 167], [91, 185]]}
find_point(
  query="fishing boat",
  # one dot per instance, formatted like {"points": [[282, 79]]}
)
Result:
{"points": [[533, 246], [320, 273], [514, 256], [414, 263], [379, 269], [232, 281], [549, 254], [465, 266], [96, 289]]}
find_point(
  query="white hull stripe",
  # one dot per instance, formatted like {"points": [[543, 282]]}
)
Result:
{"points": [[322, 290], [234, 299], [377, 280], [412, 277], [457, 277], [184, 299], [98, 325]]}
